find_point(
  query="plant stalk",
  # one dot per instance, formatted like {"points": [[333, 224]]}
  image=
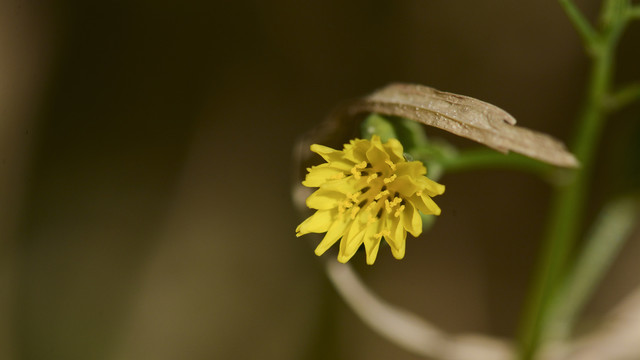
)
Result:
{"points": [[568, 205]]}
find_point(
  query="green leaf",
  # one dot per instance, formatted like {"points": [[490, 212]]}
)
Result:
{"points": [[375, 124]]}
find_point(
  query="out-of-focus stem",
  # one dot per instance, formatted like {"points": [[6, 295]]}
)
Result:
{"points": [[569, 201], [623, 97], [582, 26], [566, 213], [613, 226]]}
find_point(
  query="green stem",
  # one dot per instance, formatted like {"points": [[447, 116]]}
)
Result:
{"points": [[623, 97], [568, 204], [613, 226], [585, 30], [486, 159]]}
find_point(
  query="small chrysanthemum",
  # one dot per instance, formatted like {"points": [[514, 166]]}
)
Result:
{"points": [[367, 192]]}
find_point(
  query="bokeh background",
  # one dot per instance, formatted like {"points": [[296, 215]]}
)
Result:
{"points": [[145, 171]]}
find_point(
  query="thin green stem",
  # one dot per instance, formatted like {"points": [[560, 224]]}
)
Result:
{"points": [[486, 159], [623, 97], [614, 20], [567, 209], [569, 201], [613, 226], [585, 30], [614, 12]]}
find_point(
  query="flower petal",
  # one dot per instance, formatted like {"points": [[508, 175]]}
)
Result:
{"points": [[432, 188], [327, 153], [323, 199], [346, 186], [336, 231], [316, 223], [397, 239], [356, 150], [425, 204], [320, 174], [377, 156], [411, 220], [371, 242], [393, 147], [414, 169], [350, 243], [405, 185]]}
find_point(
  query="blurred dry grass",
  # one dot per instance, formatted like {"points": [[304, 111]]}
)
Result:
{"points": [[146, 164]]}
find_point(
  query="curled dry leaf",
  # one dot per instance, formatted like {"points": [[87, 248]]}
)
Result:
{"points": [[463, 116]]}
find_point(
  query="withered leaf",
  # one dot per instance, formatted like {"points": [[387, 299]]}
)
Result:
{"points": [[463, 116]]}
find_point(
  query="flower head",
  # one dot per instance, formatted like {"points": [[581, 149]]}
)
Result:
{"points": [[367, 192]]}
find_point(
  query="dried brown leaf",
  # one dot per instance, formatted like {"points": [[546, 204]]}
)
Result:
{"points": [[463, 116]]}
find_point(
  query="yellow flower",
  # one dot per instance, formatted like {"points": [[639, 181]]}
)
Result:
{"points": [[367, 192]]}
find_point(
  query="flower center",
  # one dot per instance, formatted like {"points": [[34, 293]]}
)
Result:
{"points": [[374, 196]]}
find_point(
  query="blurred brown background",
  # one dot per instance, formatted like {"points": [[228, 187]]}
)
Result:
{"points": [[146, 164]]}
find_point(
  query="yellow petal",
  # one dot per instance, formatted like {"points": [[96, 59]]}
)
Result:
{"points": [[393, 147], [327, 153], [376, 141], [399, 253], [356, 151], [411, 220], [425, 204], [414, 169], [334, 158], [371, 242], [316, 223], [433, 188], [320, 174], [377, 156], [346, 186], [336, 230], [397, 239], [372, 250], [323, 199], [405, 185], [350, 243]]}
